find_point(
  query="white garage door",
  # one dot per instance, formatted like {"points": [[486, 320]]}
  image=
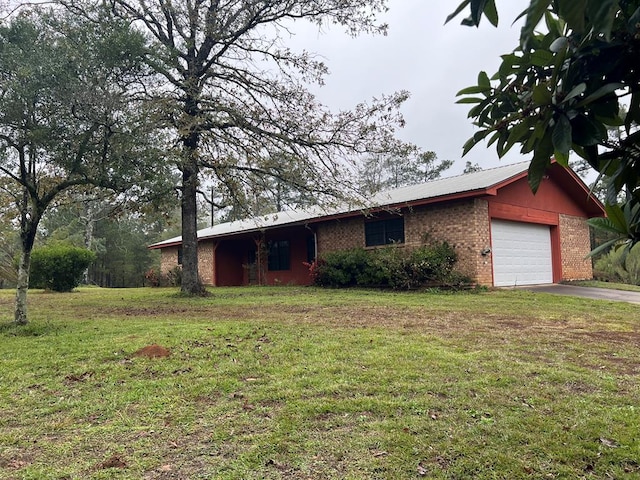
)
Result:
{"points": [[521, 253]]}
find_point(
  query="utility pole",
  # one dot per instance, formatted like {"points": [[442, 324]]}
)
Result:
{"points": [[212, 208]]}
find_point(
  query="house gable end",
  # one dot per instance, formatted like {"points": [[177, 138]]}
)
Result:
{"points": [[559, 192]]}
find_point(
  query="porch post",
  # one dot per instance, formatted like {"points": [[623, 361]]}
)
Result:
{"points": [[261, 258]]}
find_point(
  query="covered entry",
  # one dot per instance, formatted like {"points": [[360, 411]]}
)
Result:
{"points": [[521, 253]]}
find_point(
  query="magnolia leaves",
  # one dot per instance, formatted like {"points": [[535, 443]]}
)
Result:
{"points": [[553, 94], [478, 9], [582, 16], [621, 221], [539, 114], [561, 91]]}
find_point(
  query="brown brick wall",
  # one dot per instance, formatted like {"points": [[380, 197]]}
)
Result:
{"points": [[575, 244], [205, 262], [340, 234], [168, 259], [464, 224]]}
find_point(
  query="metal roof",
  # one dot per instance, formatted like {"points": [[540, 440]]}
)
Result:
{"points": [[468, 182], [442, 187]]}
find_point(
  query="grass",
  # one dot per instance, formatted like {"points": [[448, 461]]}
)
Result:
{"points": [[609, 285], [304, 383]]}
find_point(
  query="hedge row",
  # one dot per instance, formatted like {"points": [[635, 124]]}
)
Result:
{"points": [[392, 267]]}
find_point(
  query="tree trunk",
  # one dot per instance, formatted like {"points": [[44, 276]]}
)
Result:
{"points": [[22, 288], [88, 233], [27, 239], [191, 284]]}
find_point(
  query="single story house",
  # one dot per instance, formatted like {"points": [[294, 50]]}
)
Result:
{"points": [[504, 235]]}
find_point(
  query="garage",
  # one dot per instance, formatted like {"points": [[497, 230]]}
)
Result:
{"points": [[521, 253]]}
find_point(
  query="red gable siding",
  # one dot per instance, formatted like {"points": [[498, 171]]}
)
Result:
{"points": [[550, 198]]}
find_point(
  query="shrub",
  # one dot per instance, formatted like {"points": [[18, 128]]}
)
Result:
{"points": [[172, 278], [152, 278], [392, 266], [619, 266], [59, 267], [344, 268]]}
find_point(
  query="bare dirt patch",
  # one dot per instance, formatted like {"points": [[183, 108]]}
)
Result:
{"points": [[16, 462], [114, 461], [152, 351]]}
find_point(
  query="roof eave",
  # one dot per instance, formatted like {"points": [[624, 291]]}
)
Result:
{"points": [[350, 214], [592, 206], [490, 190], [159, 245], [480, 192]]}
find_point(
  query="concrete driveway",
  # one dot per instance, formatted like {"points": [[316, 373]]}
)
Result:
{"points": [[588, 292]]}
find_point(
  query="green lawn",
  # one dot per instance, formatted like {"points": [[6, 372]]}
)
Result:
{"points": [[305, 383]]}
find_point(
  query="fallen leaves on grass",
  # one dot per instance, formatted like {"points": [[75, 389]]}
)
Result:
{"points": [[16, 464], [609, 443], [73, 378]]}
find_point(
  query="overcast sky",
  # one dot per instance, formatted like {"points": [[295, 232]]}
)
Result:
{"points": [[431, 60]]}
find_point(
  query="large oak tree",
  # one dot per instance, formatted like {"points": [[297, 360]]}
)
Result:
{"points": [[235, 97]]}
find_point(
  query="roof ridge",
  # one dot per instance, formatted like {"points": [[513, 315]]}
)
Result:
{"points": [[441, 179], [486, 169]]}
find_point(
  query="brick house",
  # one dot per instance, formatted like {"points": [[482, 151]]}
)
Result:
{"points": [[503, 234]]}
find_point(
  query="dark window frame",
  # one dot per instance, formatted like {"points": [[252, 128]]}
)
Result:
{"points": [[387, 231], [279, 257], [311, 249], [180, 254]]}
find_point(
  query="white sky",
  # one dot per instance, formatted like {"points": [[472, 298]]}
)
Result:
{"points": [[431, 60]]}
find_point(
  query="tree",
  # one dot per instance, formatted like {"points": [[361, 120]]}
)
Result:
{"points": [[67, 117], [471, 167], [116, 232], [124, 258], [235, 96], [281, 185], [409, 166], [8, 236], [561, 89]]}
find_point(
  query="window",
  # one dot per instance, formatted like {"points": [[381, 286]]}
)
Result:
{"points": [[179, 255], [278, 255], [384, 232]]}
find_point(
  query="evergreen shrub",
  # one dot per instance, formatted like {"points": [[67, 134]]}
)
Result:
{"points": [[392, 266], [59, 267]]}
